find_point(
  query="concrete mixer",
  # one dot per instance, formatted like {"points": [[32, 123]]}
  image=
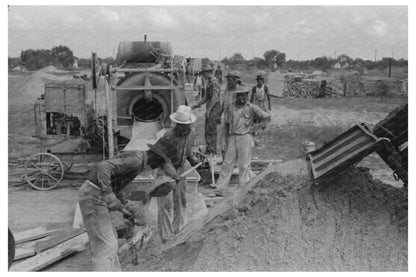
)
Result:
{"points": [[147, 87]]}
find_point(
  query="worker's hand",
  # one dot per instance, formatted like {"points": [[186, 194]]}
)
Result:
{"points": [[162, 190], [112, 202], [195, 106]]}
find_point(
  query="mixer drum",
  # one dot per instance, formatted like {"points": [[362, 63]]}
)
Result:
{"points": [[141, 51]]}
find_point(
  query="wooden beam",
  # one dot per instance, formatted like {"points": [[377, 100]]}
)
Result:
{"points": [[33, 234], [227, 204], [52, 255], [57, 238], [21, 253]]}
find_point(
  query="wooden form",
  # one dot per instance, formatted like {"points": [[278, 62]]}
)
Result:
{"points": [[33, 234], [227, 204], [52, 255]]}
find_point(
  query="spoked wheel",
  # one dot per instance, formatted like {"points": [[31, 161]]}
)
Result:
{"points": [[43, 171]]}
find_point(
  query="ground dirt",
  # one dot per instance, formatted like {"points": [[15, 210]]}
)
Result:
{"points": [[284, 224]]}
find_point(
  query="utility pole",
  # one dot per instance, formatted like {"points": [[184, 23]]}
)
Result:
{"points": [[219, 54], [375, 55], [335, 54]]}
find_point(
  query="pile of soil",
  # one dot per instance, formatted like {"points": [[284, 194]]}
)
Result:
{"points": [[24, 90], [286, 224]]}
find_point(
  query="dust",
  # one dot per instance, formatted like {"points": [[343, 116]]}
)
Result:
{"points": [[286, 224]]}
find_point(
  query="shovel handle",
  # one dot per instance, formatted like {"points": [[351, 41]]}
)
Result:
{"points": [[125, 212]]}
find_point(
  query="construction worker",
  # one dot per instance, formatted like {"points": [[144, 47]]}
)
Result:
{"points": [[171, 208], [218, 75], [213, 109], [198, 85], [238, 129], [97, 196], [260, 96], [233, 77]]}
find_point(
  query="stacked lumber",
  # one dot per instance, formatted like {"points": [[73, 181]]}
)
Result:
{"points": [[40, 247]]}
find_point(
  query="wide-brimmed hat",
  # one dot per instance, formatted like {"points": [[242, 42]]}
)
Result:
{"points": [[260, 77], [241, 89], [183, 115], [165, 149], [233, 73]]}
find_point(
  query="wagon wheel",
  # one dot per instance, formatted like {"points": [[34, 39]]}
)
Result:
{"points": [[43, 171]]}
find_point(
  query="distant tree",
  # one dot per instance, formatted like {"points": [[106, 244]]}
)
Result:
{"points": [[274, 56], [63, 55], [237, 58], [108, 60], [14, 62]]}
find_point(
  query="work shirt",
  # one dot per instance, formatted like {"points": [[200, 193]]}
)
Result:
{"points": [[212, 94], [227, 98], [183, 144], [117, 172], [240, 120], [261, 97]]}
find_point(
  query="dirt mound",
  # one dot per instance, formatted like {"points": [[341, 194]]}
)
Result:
{"points": [[355, 224], [25, 89]]}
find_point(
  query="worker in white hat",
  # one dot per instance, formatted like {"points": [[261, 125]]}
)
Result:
{"points": [[238, 129], [171, 208]]}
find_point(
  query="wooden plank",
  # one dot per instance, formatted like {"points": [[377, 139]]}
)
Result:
{"points": [[33, 234], [227, 204], [56, 239], [21, 253], [52, 255]]}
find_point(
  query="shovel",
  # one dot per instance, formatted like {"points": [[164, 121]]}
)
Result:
{"points": [[144, 195]]}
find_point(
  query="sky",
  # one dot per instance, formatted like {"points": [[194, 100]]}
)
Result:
{"points": [[302, 32]]}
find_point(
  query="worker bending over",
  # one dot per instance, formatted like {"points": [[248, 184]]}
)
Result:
{"points": [[97, 196]]}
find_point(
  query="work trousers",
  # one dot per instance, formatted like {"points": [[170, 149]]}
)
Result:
{"points": [[211, 129], [239, 149], [102, 239], [171, 209]]}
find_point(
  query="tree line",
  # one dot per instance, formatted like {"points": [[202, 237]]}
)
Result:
{"points": [[59, 56], [276, 58]]}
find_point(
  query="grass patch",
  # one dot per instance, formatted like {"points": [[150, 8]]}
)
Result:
{"points": [[287, 142], [356, 104]]}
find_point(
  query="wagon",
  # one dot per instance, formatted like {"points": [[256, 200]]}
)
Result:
{"points": [[61, 123]]}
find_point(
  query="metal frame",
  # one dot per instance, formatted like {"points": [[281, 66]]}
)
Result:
{"points": [[365, 143]]}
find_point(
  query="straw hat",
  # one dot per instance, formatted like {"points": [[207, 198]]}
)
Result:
{"points": [[183, 115]]}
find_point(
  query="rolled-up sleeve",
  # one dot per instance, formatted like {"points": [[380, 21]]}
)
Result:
{"points": [[259, 112]]}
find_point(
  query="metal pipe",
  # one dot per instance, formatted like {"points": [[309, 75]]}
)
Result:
{"points": [[109, 119]]}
